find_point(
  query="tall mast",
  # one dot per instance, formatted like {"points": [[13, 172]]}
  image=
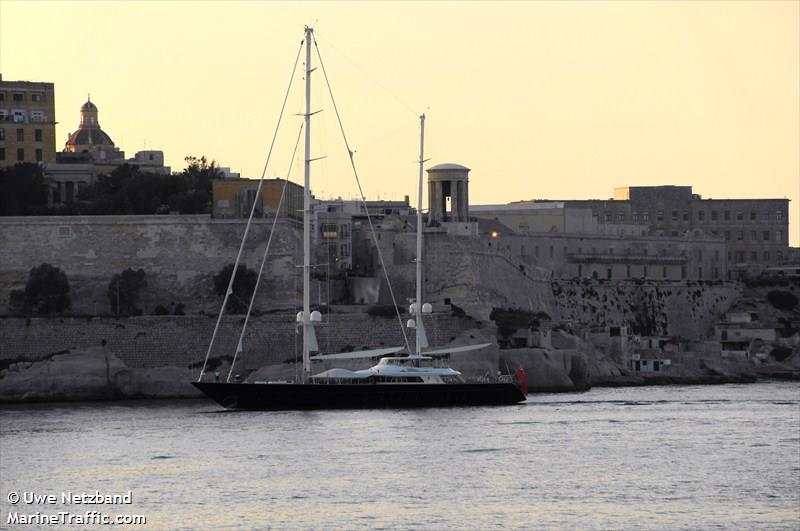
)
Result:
{"points": [[419, 329], [307, 216]]}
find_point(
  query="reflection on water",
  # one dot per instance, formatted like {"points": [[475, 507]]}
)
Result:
{"points": [[636, 458]]}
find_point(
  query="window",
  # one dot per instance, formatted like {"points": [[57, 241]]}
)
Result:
{"points": [[727, 215], [778, 215], [620, 217], [328, 230], [727, 235], [739, 216], [752, 215], [344, 231], [766, 235], [37, 133], [20, 154], [20, 117], [20, 135], [608, 217], [766, 256], [740, 256], [779, 236], [2, 97], [685, 215], [2, 133], [551, 251], [2, 153], [566, 251], [36, 98], [753, 235], [740, 235], [536, 250], [753, 256], [37, 116], [674, 215], [765, 216], [635, 217], [223, 203], [701, 215], [608, 273], [646, 217], [716, 255], [345, 250], [779, 255], [17, 97], [713, 215], [39, 156], [664, 272], [644, 272], [660, 216], [3, 115]]}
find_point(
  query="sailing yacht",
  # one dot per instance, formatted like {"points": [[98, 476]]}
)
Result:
{"points": [[414, 380]]}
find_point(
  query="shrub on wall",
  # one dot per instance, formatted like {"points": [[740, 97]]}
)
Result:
{"points": [[46, 293], [782, 300], [243, 286], [123, 292]]}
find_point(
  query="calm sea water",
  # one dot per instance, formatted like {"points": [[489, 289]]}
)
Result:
{"points": [[720, 457]]}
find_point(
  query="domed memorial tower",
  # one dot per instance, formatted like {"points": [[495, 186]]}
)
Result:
{"points": [[448, 193], [90, 138]]}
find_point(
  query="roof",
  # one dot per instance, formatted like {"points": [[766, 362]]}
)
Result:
{"points": [[88, 106], [92, 136], [448, 166]]}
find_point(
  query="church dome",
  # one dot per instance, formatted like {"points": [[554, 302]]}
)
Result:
{"points": [[90, 137]]}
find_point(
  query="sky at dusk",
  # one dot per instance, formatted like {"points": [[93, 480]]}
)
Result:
{"points": [[542, 100]]}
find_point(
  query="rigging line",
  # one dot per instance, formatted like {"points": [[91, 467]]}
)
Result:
{"points": [[266, 252], [363, 199], [250, 219], [370, 76]]}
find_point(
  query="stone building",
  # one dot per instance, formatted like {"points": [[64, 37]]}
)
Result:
{"points": [[694, 256], [27, 122], [233, 198], [756, 230]]}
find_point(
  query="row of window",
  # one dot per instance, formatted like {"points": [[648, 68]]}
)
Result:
{"points": [[714, 215], [37, 134], [19, 97], [648, 273], [39, 154], [765, 235], [20, 116], [740, 216]]}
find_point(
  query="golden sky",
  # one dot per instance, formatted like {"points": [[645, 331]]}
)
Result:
{"points": [[542, 100]]}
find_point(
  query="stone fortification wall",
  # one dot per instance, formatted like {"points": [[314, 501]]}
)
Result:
{"points": [[179, 254], [461, 270], [685, 309], [155, 341]]}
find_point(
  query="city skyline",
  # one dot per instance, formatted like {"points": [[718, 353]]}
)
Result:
{"points": [[541, 100]]}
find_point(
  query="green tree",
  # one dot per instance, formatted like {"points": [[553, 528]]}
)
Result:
{"points": [[124, 290], [243, 286], [46, 292]]}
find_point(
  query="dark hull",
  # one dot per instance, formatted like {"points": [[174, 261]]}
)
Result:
{"points": [[358, 396]]}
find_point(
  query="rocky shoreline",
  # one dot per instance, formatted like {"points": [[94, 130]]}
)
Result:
{"points": [[96, 375]]}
